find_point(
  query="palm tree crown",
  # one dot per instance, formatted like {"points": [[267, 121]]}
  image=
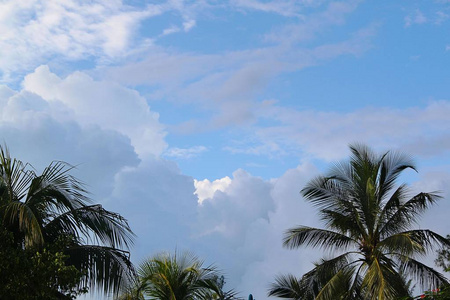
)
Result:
{"points": [[168, 276], [368, 219], [42, 209]]}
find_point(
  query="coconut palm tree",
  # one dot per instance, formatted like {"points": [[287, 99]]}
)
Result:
{"points": [[369, 220], [42, 209], [176, 277]]}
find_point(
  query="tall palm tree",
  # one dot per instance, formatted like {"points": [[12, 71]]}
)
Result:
{"points": [[43, 209], [176, 277], [369, 222]]}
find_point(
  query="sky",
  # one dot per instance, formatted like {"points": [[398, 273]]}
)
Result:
{"points": [[200, 121]]}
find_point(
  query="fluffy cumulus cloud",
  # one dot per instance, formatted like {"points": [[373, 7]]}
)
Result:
{"points": [[236, 222], [102, 103], [205, 189], [243, 223], [160, 204], [239, 225], [239, 222], [81, 121], [38, 132]]}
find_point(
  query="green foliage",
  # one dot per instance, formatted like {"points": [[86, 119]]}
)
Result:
{"points": [[176, 277], [36, 273], [442, 293], [50, 227], [368, 219], [443, 259]]}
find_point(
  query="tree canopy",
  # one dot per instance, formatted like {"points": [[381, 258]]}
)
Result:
{"points": [[49, 216], [167, 276], [369, 221]]}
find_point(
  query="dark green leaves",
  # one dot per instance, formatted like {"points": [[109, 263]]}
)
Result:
{"points": [[39, 210]]}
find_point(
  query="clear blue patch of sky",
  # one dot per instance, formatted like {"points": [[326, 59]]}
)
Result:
{"points": [[404, 68]]}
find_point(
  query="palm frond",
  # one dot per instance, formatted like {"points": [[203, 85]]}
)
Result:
{"points": [[345, 223], [325, 193], [338, 286], [413, 242], [403, 243], [313, 281], [408, 213], [180, 276], [427, 277], [56, 182], [382, 281], [105, 268], [365, 211], [315, 237], [391, 167], [15, 175], [287, 286], [94, 222], [28, 222], [390, 207]]}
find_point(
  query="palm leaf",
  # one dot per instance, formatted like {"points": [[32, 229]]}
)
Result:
{"points": [[338, 286], [427, 277], [383, 282], [106, 269], [93, 222], [316, 237], [287, 286], [407, 213]]}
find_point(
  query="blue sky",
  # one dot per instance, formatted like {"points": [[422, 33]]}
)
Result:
{"points": [[206, 118]]}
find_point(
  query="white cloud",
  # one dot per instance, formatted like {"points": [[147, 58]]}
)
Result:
{"points": [[309, 27], [35, 31], [325, 135], [243, 216], [160, 205], [188, 25], [243, 226], [239, 222], [205, 189], [170, 30], [102, 103], [436, 180], [226, 85], [415, 18], [39, 132], [175, 152], [441, 17], [282, 7]]}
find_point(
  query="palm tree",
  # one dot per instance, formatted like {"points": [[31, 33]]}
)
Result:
{"points": [[368, 219], [43, 209], [176, 277]]}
